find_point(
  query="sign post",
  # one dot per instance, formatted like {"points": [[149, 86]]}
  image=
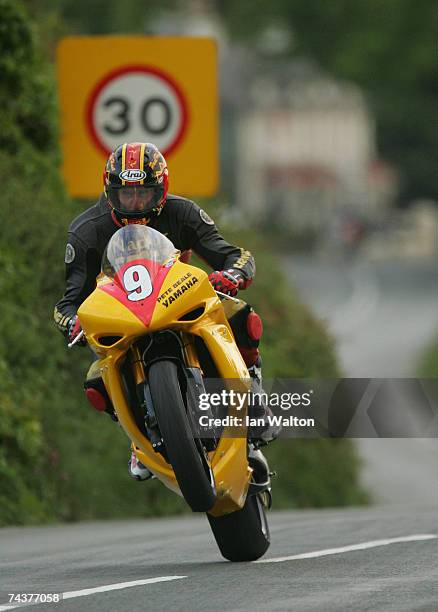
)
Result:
{"points": [[139, 89]]}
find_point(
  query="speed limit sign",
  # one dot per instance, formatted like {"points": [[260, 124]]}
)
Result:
{"points": [[139, 89], [137, 104]]}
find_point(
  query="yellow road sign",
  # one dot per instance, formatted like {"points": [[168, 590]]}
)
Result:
{"points": [[116, 89]]}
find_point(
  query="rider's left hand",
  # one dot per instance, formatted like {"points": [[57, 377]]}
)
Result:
{"points": [[227, 281], [74, 329]]}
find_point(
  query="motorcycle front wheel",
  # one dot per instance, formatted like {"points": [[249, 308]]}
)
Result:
{"points": [[190, 469]]}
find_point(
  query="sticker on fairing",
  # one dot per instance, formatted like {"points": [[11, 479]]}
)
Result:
{"points": [[206, 218], [70, 253]]}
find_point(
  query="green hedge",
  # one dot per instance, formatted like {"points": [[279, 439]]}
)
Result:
{"points": [[428, 362]]}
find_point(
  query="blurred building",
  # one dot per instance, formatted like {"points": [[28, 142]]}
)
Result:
{"points": [[297, 145], [306, 151]]}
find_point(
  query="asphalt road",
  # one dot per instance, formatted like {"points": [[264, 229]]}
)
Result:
{"points": [[380, 575], [382, 316]]}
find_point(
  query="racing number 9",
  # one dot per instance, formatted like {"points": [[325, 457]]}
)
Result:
{"points": [[137, 282]]}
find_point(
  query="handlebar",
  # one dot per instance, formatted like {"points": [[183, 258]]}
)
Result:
{"points": [[78, 337], [228, 297]]}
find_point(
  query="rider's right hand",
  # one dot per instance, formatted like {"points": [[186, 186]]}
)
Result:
{"points": [[227, 281], [74, 329]]}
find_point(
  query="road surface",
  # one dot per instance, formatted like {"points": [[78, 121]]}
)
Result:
{"points": [[382, 315], [360, 559]]}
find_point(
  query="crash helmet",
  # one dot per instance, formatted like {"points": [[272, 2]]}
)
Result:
{"points": [[136, 182]]}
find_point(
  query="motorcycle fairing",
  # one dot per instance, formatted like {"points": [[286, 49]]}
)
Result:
{"points": [[141, 307], [104, 314]]}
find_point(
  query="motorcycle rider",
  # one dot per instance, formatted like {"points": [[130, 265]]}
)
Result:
{"points": [[136, 191]]}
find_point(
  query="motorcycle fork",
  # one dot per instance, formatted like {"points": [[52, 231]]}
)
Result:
{"points": [[195, 372], [137, 366], [190, 354], [145, 400]]}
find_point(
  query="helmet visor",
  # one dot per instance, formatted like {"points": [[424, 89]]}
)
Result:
{"points": [[135, 201]]}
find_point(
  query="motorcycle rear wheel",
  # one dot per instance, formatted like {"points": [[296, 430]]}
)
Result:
{"points": [[242, 535], [184, 456]]}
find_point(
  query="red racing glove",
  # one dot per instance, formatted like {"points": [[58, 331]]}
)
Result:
{"points": [[74, 329], [228, 281]]}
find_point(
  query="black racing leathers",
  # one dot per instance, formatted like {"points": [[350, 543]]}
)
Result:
{"points": [[181, 220]]}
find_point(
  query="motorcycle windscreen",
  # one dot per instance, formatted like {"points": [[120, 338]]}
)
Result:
{"points": [[138, 259]]}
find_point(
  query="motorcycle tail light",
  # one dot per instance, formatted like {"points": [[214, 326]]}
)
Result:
{"points": [[96, 399]]}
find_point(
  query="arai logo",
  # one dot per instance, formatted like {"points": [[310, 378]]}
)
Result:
{"points": [[132, 175]]}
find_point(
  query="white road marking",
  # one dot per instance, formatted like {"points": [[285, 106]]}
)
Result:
{"points": [[343, 549], [101, 589]]}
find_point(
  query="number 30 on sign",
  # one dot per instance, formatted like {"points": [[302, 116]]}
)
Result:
{"points": [[137, 103]]}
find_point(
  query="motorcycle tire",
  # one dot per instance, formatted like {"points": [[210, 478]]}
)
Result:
{"points": [[242, 535], [182, 452]]}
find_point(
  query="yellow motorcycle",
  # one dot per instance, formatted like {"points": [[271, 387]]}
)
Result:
{"points": [[159, 331]]}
